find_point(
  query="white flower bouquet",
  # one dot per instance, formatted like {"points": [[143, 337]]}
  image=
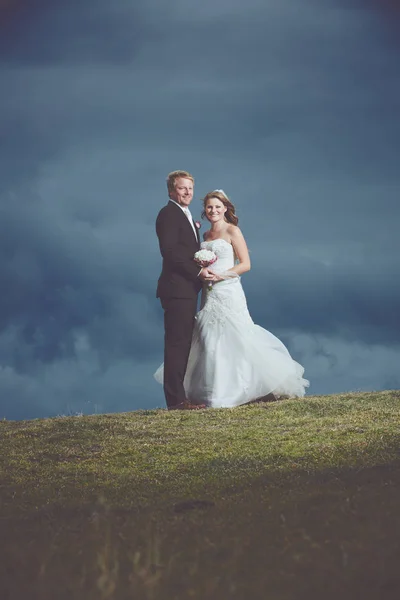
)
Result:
{"points": [[204, 259]]}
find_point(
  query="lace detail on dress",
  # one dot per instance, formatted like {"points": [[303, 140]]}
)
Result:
{"points": [[219, 305], [226, 299], [224, 252]]}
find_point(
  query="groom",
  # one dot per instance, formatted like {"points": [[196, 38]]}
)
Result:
{"points": [[179, 284]]}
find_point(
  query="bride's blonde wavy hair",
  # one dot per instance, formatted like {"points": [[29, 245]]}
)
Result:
{"points": [[230, 215]]}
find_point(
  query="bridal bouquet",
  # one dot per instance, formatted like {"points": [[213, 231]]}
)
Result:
{"points": [[205, 258]]}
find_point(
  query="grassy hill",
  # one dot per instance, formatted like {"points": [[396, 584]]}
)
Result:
{"points": [[287, 500]]}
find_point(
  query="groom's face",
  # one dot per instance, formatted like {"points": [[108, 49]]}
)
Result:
{"points": [[183, 192]]}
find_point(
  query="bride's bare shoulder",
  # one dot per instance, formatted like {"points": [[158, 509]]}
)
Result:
{"points": [[233, 231]]}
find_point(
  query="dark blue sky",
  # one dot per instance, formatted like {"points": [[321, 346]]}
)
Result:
{"points": [[292, 108]]}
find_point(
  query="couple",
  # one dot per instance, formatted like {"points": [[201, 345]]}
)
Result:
{"points": [[217, 357]]}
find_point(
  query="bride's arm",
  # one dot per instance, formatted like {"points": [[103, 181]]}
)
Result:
{"points": [[240, 248]]}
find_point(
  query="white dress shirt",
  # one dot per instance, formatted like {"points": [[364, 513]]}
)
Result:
{"points": [[190, 218], [188, 214]]}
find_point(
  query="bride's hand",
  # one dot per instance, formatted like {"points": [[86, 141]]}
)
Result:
{"points": [[216, 277], [224, 275], [206, 275]]}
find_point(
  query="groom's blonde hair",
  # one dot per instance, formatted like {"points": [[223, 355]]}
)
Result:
{"points": [[173, 176]]}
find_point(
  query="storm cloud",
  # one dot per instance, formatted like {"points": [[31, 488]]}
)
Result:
{"points": [[293, 109]]}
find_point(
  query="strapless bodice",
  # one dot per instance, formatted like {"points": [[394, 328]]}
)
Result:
{"points": [[224, 252]]}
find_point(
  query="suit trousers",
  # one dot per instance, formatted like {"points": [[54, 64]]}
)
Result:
{"points": [[179, 318]]}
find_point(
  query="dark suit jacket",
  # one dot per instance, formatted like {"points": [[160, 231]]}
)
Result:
{"points": [[178, 244]]}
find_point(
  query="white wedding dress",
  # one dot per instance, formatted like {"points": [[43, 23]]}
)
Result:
{"points": [[233, 361]]}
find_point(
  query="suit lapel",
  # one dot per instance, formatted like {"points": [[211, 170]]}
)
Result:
{"points": [[196, 232]]}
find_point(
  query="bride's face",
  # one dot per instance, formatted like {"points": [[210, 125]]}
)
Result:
{"points": [[215, 210]]}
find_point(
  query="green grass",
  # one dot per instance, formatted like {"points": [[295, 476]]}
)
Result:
{"points": [[287, 500]]}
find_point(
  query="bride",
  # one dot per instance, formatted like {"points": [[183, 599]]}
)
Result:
{"points": [[232, 360]]}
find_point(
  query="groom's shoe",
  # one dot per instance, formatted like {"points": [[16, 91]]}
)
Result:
{"points": [[186, 406], [177, 406], [189, 406]]}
